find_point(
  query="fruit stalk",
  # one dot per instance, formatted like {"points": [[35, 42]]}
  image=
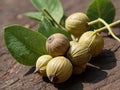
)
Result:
{"points": [[107, 26], [103, 28], [93, 22]]}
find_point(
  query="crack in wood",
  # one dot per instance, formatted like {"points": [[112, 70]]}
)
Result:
{"points": [[9, 83], [9, 71]]}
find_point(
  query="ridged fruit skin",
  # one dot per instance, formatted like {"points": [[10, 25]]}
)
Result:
{"points": [[78, 54], [59, 69], [41, 64], [57, 44], [96, 41], [77, 24], [73, 42], [79, 69]]}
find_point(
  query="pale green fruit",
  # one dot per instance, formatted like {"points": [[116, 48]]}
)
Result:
{"points": [[94, 41], [77, 24], [41, 64], [59, 69], [78, 54]]}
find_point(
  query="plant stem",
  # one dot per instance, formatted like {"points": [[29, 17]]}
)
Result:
{"points": [[97, 20], [52, 18], [110, 25], [93, 22], [107, 26]]}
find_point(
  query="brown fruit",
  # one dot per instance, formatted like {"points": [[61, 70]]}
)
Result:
{"points": [[57, 44]]}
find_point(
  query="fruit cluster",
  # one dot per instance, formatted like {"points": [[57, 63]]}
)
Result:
{"points": [[70, 57]]}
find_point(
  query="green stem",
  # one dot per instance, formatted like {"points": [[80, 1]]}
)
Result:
{"points": [[97, 20], [93, 22], [52, 18], [110, 25], [107, 26]]}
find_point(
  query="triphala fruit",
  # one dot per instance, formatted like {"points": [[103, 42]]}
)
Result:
{"points": [[77, 24], [59, 69], [94, 41], [78, 54], [57, 44], [41, 64]]}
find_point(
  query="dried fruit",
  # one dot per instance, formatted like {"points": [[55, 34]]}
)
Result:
{"points": [[41, 64], [59, 69], [79, 69], [57, 44], [78, 54], [77, 24], [94, 41]]}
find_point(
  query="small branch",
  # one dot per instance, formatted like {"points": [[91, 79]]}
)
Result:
{"points": [[107, 26], [52, 18], [110, 25], [98, 20], [93, 22]]}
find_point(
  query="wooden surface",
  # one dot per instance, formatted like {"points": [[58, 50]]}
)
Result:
{"points": [[103, 72]]}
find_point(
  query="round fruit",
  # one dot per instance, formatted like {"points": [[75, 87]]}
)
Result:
{"points": [[59, 69], [41, 64], [57, 44], [77, 24], [94, 41], [78, 54]]}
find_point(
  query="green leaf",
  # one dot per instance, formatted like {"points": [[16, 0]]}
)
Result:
{"points": [[54, 7], [103, 9], [25, 45], [34, 15], [47, 28]]}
